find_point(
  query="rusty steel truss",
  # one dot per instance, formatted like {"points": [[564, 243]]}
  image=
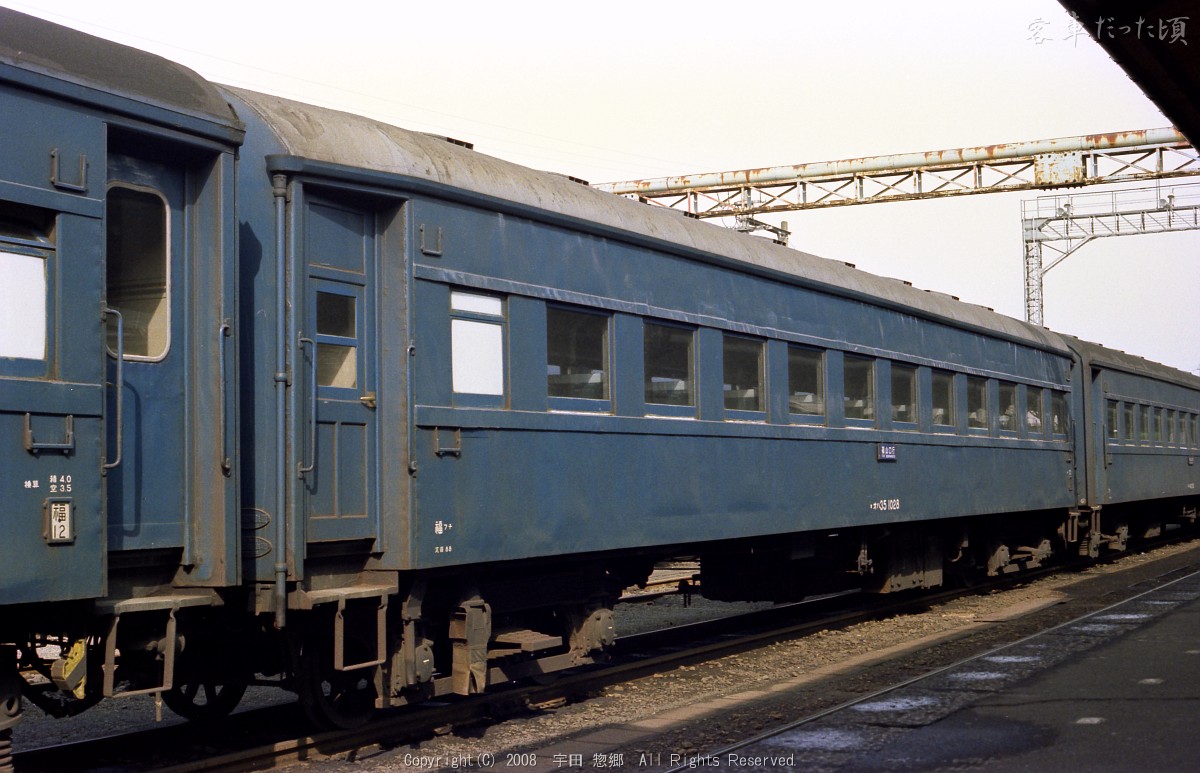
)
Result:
{"points": [[1093, 159], [1069, 161]]}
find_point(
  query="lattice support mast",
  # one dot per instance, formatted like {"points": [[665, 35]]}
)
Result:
{"points": [[1055, 227]]}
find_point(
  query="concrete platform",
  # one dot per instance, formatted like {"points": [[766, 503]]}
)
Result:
{"points": [[1118, 690]]}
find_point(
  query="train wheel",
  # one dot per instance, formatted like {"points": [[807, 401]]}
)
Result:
{"points": [[204, 699], [331, 699]]}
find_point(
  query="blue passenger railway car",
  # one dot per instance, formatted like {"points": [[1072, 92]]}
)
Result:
{"points": [[293, 395]]}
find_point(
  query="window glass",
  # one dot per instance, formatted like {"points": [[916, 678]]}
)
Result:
{"points": [[337, 362], [1169, 431], [859, 387], [1128, 428], [335, 315], [806, 381], [1059, 417], [476, 344], [743, 374], [477, 361], [943, 399], [1144, 423], [1008, 406], [904, 393], [577, 354], [1114, 411], [977, 407], [22, 306], [1157, 418], [476, 304], [669, 365], [136, 270], [1033, 411], [337, 366]]}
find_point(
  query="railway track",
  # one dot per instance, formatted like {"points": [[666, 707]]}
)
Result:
{"points": [[251, 739]]}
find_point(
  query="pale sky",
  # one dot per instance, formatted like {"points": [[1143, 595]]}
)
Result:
{"points": [[628, 90]]}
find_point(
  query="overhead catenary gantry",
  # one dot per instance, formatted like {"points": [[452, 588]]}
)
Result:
{"points": [[1088, 160], [746, 195], [1054, 227]]}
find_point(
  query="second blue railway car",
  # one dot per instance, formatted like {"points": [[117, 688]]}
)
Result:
{"points": [[290, 393]]}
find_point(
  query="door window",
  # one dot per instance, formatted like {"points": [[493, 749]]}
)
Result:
{"points": [[137, 270], [337, 338]]}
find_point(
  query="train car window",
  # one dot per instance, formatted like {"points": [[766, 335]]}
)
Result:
{"points": [[1008, 407], [743, 371], [577, 353], [1196, 430], [1144, 423], [977, 407], [1112, 417], [1060, 418], [904, 393], [806, 381], [470, 303], [1034, 411], [476, 344], [337, 331], [22, 306], [1127, 428], [26, 255], [943, 399], [858, 380], [1157, 424], [137, 276], [1170, 433], [669, 364]]}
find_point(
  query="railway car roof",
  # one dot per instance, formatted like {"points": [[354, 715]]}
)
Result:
{"points": [[102, 67], [343, 139], [1102, 356], [347, 140]]}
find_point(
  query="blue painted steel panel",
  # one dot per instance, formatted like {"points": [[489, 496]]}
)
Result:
{"points": [[1135, 469], [518, 493], [41, 133], [530, 484], [61, 402]]}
